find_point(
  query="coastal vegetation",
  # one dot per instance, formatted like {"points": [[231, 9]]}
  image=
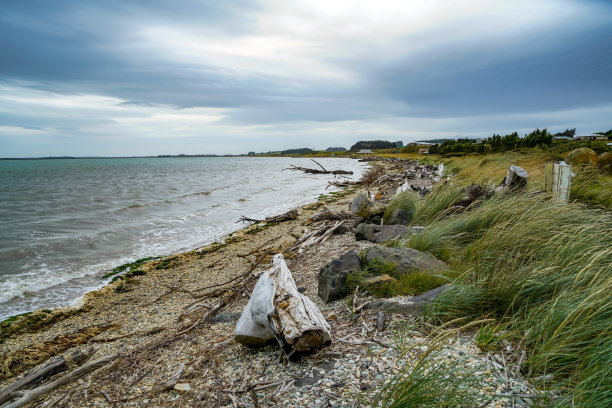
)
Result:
{"points": [[539, 268]]}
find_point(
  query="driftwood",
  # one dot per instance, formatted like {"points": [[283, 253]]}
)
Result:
{"points": [[51, 369], [342, 183], [277, 310], [317, 171], [25, 397], [328, 214], [316, 237], [289, 215]]}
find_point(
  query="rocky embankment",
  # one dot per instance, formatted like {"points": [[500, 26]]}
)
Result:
{"points": [[162, 334]]}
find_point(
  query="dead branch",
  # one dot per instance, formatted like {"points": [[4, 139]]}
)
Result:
{"points": [[28, 396], [289, 215], [317, 171], [341, 184], [55, 367]]}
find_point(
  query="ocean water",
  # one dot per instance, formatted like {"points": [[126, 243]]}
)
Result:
{"points": [[64, 223]]}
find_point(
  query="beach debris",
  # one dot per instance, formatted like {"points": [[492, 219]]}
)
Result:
{"points": [[317, 171], [48, 370], [27, 396], [332, 277], [315, 237], [516, 179], [277, 310], [328, 214], [364, 207], [289, 215]]}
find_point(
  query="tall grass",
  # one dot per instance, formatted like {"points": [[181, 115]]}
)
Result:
{"points": [[546, 266]]}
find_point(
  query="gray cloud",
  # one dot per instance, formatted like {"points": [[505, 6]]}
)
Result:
{"points": [[267, 66]]}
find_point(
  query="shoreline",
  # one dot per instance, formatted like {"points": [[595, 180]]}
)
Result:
{"points": [[158, 328], [48, 289]]}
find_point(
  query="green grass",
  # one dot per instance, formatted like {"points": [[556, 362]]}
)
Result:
{"points": [[545, 269], [411, 284]]}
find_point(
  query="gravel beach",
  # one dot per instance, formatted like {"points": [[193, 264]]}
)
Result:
{"points": [[170, 356]]}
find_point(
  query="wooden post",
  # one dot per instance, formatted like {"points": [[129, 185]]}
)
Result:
{"points": [[557, 180]]}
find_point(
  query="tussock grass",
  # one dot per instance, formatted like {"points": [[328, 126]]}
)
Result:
{"points": [[547, 268]]}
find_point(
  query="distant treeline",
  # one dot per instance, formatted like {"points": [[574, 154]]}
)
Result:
{"points": [[376, 144], [498, 143]]}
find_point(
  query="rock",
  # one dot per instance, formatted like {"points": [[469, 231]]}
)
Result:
{"points": [[406, 260], [472, 193], [332, 276], [413, 306], [225, 317], [358, 221], [341, 230], [516, 179], [364, 207], [182, 387], [400, 217], [604, 161], [380, 233], [277, 310], [581, 157]]}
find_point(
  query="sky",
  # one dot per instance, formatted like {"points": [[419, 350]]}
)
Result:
{"points": [[149, 77]]}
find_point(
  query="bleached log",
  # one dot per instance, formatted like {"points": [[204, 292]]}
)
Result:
{"points": [[277, 310]]}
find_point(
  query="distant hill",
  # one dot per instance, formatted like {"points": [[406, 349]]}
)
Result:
{"points": [[336, 149], [303, 150], [373, 144]]}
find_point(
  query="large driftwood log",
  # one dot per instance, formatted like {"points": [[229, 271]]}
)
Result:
{"points": [[289, 215], [317, 171], [277, 310]]}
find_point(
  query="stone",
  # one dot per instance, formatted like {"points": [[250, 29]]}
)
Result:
{"points": [[516, 179], [364, 207], [341, 230], [225, 317], [332, 276], [472, 193], [581, 157], [357, 221], [400, 217], [380, 233], [406, 260], [604, 161], [413, 306]]}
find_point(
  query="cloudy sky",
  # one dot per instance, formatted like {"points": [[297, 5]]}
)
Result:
{"points": [[116, 77]]}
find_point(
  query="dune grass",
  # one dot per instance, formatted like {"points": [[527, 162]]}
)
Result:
{"points": [[547, 269]]}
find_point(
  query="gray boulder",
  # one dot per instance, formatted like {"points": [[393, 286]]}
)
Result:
{"points": [[332, 276], [383, 233], [400, 217], [406, 260], [412, 306], [364, 207]]}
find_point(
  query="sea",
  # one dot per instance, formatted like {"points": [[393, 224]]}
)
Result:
{"points": [[64, 223]]}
